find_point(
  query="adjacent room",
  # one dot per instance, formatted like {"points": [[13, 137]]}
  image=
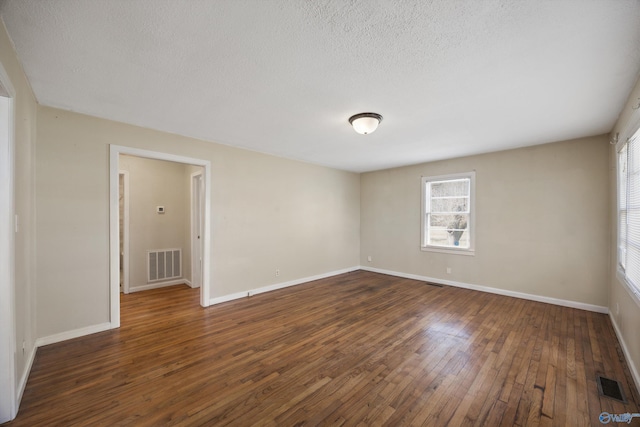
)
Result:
{"points": [[336, 212]]}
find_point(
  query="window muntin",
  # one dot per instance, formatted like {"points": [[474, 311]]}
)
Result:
{"points": [[447, 217]]}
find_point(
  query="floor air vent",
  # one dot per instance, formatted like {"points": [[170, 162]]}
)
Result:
{"points": [[164, 264], [610, 388]]}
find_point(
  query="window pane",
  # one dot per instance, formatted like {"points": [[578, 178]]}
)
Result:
{"points": [[633, 265], [449, 230], [455, 187], [622, 239], [450, 205], [441, 237], [458, 222]]}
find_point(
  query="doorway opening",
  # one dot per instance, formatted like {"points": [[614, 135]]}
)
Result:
{"points": [[119, 250], [160, 209]]}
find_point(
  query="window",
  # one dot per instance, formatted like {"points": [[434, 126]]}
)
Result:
{"points": [[448, 213], [629, 212]]}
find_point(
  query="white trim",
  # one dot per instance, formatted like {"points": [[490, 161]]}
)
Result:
{"points": [[114, 239], [188, 283], [470, 251], [301, 281], [227, 298], [25, 374], [114, 273], [125, 248], [522, 295], [256, 291], [451, 251], [633, 294], [8, 364], [76, 333], [627, 355], [195, 263], [157, 285], [620, 273], [632, 126]]}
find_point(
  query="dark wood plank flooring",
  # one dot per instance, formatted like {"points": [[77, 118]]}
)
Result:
{"points": [[356, 349]]}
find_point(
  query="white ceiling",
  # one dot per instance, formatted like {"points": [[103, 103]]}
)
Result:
{"points": [[450, 77]]}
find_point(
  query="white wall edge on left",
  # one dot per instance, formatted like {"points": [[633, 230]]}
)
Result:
{"points": [[8, 362]]}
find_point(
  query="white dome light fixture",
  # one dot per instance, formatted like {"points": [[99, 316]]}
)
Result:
{"points": [[365, 123]]}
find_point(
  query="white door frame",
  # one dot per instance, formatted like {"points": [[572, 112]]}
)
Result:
{"points": [[114, 235], [8, 383], [125, 225], [196, 228]]}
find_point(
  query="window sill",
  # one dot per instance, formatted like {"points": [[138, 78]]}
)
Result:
{"points": [[452, 251]]}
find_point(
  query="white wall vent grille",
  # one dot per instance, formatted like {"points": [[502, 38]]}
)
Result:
{"points": [[164, 264]]}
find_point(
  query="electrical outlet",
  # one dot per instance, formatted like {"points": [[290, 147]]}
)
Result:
{"points": [[277, 272], [448, 270], [369, 259]]}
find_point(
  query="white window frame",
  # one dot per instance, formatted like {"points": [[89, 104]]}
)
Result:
{"points": [[424, 215], [632, 287]]}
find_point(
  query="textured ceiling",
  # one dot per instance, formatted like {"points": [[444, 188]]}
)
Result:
{"points": [[450, 77]]}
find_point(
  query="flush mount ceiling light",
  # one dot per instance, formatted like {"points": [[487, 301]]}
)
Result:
{"points": [[365, 123]]}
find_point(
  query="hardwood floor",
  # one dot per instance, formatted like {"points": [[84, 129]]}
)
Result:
{"points": [[356, 349]]}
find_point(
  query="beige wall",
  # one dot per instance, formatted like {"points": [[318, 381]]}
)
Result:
{"points": [[267, 213], [541, 221], [24, 175], [155, 183], [624, 307]]}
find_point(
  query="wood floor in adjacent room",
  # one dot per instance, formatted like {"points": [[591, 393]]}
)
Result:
{"points": [[356, 349]]}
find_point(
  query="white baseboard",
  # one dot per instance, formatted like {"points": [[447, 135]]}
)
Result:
{"points": [[25, 375], [237, 295], [627, 355], [63, 336], [157, 285], [51, 339], [227, 298], [522, 295]]}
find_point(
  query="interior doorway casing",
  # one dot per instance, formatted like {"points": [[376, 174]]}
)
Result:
{"points": [[123, 245], [8, 363], [197, 196], [114, 235]]}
